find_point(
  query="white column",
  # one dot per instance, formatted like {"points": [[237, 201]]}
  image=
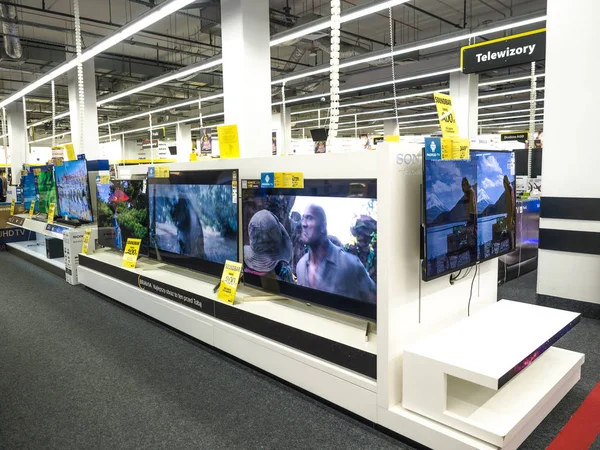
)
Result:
{"points": [[465, 99], [247, 73], [90, 148], [184, 142], [390, 127], [17, 144], [571, 160]]}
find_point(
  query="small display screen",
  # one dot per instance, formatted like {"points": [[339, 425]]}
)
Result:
{"points": [[73, 190], [122, 213], [30, 192], [194, 219], [46, 189], [317, 244]]}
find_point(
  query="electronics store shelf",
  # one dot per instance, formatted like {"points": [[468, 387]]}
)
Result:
{"points": [[489, 375], [37, 251], [54, 231]]}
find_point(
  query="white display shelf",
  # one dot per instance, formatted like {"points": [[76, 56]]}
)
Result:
{"points": [[465, 376], [37, 251], [40, 227]]}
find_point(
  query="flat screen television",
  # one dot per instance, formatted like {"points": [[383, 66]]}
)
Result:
{"points": [[30, 193], [73, 190], [496, 208], [449, 217], [122, 213], [194, 219], [317, 244], [46, 189]]}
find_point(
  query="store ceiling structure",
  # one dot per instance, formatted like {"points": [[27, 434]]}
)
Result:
{"points": [[45, 31]]}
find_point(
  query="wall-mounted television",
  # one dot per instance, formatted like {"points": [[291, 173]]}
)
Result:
{"points": [[317, 244], [468, 211], [73, 190], [193, 218], [46, 189], [122, 213]]}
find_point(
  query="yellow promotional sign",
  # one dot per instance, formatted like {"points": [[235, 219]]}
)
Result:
{"points": [[229, 141], [31, 209], [162, 172], [70, 152], [393, 138], [289, 180], [229, 281], [132, 251], [51, 209], [193, 157], [86, 241], [446, 115], [12, 207], [447, 148], [461, 149]]}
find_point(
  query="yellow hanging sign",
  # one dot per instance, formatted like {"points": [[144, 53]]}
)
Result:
{"points": [[229, 141], [31, 209], [12, 207], [86, 241], [51, 210], [132, 251], [446, 115], [229, 281]]}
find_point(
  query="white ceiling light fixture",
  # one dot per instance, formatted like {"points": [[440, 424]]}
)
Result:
{"points": [[511, 80], [42, 122], [142, 22], [514, 111], [500, 105], [324, 24], [400, 97], [509, 117], [504, 94], [508, 123]]}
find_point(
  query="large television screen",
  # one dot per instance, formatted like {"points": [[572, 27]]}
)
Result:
{"points": [[73, 191], [46, 189], [122, 213], [317, 244], [496, 206], [194, 219], [450, 216]]}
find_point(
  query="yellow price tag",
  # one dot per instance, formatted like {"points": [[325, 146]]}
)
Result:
{"points": [[51, 209], [70, 152], [447, 148], [461, 149], [289, 180], [86, 241], [193, 157], [132, 251], [392, 138], [229, 141], [104, 179], [446, 115], [37, 172], [229, 281], [162, 172], [12, 207], [31, 209]]}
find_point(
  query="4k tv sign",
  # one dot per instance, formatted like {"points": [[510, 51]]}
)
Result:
{"points": [[504, 52]]}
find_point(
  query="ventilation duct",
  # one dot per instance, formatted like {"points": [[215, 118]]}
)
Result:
{"points": [[10, 30]]}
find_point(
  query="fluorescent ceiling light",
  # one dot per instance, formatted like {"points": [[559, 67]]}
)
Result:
{"points": [[58, 136], [508, 123], [499, 105], [504, 94], [401, 97], [353, 14], [508, 117], [144, 21], [511, 80], [514, 111], [42, 122]]}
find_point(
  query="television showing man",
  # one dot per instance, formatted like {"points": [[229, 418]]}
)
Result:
{"points": [[327, 267]]}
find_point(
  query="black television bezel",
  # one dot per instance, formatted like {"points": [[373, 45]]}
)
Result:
{"points": [[514, 185], [89, 196], [144, 247], [194, 177], [314, 188], [424, 276]]}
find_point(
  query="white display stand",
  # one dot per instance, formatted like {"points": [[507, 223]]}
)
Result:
{"points": [[455, 376], [409, 310]]}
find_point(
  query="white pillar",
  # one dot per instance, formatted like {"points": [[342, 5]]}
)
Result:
{"points": [[184, 142], [247, 73], [465, 100], [18, 144], [571, 160], [90, 148], [390, 127]]}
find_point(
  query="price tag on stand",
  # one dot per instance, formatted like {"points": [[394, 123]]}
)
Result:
{"points": [[12, 207], [132, 251], [229, 281], [51, 209], [86, 241], [104, 179], [31, 209]]}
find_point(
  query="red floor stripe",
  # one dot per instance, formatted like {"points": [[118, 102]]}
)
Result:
{"points": [[581, 430]]}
